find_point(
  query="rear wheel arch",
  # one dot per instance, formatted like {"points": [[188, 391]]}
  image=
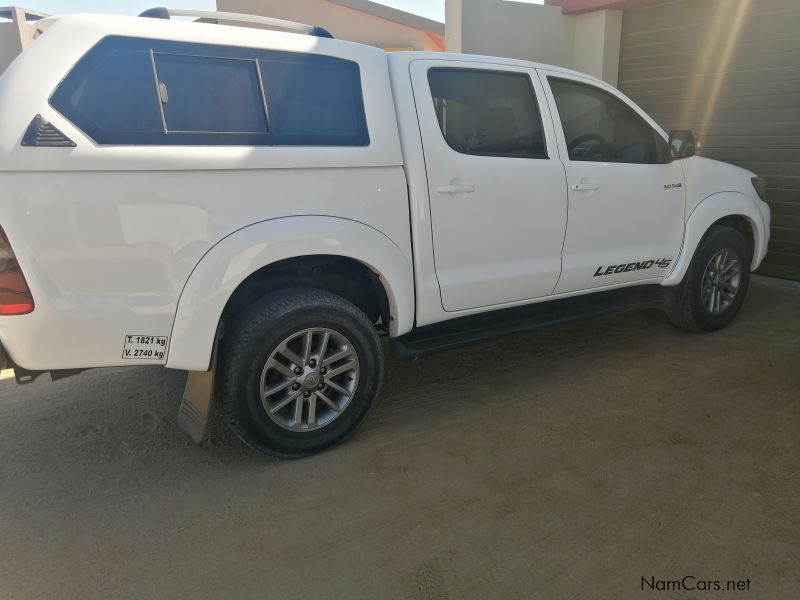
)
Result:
{"points": [[290, 252], [346, 277]]}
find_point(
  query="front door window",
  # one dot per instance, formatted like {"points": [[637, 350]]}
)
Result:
{"points": [[600, 127]]}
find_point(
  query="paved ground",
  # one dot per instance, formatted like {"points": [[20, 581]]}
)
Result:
{"points": [[560, 465]]}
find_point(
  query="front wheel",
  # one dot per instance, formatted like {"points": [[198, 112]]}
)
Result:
{"points": [[716, 283], [300, 369]]}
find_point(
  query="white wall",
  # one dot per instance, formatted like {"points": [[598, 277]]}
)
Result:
{"points": [[10, 44], [453, 26], [587, 42], [511, 29], [596, 44]]}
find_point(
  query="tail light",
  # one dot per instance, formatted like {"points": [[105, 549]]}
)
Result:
{"points": [[15, 297]]}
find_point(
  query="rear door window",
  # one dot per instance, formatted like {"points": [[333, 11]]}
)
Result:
{"points": [[487, 113], [131, 91]]}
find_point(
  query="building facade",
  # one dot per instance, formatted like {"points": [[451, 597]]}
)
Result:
{"points": [[730, 70], [356, 20], [16, 31], [588, 42]]}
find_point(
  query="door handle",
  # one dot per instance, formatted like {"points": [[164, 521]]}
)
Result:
{"points": [[456, 188], [585, 186]]}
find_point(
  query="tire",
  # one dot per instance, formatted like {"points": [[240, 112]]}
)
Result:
{"points": [[695, 306], [263, 349]]}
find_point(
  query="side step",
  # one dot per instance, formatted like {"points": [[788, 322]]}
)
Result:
{"points": [[518, 319]]}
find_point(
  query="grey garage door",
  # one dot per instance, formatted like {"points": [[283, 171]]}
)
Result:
{"points": [[729, 69]]}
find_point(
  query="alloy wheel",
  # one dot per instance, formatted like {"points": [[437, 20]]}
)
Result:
{"points": [[721, 281], [309, 379]]}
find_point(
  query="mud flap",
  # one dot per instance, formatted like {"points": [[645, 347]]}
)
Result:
{"points": [[193, 415]]}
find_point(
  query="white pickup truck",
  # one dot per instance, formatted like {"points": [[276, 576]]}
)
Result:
{"points": [[263, 205]]}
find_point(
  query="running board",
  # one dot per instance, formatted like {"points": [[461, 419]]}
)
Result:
{"points": [[518, 319]]}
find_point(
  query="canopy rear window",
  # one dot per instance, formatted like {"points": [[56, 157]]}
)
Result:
{"points": [[153, 92]]}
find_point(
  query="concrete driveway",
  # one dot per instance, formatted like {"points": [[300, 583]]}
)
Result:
{"points": [[567, 464]]}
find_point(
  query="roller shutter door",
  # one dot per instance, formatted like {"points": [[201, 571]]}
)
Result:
{"points": [[729, 69]]}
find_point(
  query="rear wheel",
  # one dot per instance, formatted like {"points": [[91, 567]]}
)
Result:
{"points": [[715, 285], [299, 371]]}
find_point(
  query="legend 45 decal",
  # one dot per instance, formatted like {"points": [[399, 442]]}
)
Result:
{"points": [[661, 263], [145, 347]]}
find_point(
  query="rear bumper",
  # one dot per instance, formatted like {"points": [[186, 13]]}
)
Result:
{"points": [[24, 376]]}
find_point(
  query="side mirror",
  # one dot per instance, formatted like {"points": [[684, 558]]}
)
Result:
{"points": [[683, 143]]}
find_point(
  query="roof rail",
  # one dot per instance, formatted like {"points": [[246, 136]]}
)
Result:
{"points": [[161, 12]]}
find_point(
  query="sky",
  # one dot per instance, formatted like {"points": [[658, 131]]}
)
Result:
{"points": [[432, 9]]}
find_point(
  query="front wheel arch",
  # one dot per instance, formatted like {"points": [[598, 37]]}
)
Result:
{"points": [[723, 208]]}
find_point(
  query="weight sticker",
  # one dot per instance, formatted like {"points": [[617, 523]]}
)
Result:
{"points": [[145, 347]]}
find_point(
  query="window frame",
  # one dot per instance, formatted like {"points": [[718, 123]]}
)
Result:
{"points": [[263, 98], [662, 149], [151, 47], [528, 76]]}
